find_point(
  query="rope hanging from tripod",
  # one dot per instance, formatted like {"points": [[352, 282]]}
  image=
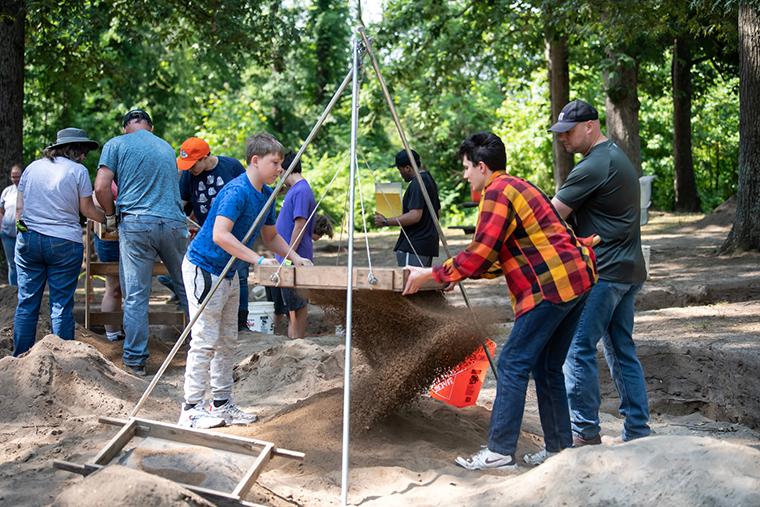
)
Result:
{"points": [[276, 276], [371, 277]]}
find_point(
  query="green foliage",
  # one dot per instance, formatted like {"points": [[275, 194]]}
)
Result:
{"points": [[224, 71]]}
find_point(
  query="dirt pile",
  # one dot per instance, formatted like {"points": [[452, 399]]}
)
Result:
{"points": [[287, 373], [119, 486], [57, 379], [408, 342], [721, 216]]}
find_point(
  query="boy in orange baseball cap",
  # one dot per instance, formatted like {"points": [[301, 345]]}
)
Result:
{"points": [[202, 178]]}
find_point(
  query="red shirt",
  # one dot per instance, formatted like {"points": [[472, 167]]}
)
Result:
{"points": [[521, 233]]}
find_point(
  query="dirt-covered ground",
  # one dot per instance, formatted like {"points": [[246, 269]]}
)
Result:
{"points": [[698, 335]]}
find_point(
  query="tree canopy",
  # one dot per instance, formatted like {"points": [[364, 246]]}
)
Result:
{"points": [[226, 70]]}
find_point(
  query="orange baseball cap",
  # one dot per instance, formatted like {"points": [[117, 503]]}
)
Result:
{"points": [[191, 151]]}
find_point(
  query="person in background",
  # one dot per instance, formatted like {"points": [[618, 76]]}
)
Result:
{"points": [[295, 223], [420, 243], [49, 249], [322, 227], [148, 212], [203, 176], [108, 251], [8, 214]]}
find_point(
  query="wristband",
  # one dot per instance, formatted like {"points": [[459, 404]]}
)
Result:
{"points": [[385, 222], [260, 259]]}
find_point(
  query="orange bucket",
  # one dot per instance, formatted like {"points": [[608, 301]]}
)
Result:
{"points": [[461, 388]]}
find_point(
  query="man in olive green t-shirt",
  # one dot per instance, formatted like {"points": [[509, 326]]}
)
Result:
{"points": [[602, 191]]}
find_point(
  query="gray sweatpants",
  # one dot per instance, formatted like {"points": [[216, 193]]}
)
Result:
{"points": [[214, 334]]}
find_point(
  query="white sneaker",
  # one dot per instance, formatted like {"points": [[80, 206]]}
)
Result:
{"points": [[539, 457], [231, 414], [487, 460], [198, 417]]}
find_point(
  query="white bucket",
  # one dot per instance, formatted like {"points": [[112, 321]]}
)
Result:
{"points": [[261, 317], [646, 250]]}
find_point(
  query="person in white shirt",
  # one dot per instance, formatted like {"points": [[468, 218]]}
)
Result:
{"points": [[8, 214]]}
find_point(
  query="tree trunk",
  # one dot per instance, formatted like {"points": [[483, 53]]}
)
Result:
{"points": [[11, 87], [687, 198], [745, 234], [12, 17], [622, 106], [559, 96]]}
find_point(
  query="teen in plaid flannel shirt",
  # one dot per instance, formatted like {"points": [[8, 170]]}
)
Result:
{"points": [[549, 273]]}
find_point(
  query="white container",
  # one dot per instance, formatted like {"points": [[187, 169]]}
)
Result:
{"points": [[645, 182], [261, 317], [646, 250]]}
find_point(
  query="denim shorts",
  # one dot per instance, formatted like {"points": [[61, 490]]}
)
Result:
{"points": [[108, 251], [285, 300]]}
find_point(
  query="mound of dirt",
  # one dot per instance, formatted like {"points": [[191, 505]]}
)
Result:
{"points": [[289, 372], [722, 216], [120, 486], [314, 426], [113, 351], [673, 471], [408, 341], [57, 379]]}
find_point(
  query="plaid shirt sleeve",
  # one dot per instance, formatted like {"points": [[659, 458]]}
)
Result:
{"points": [[521, 235], [496, 222]]}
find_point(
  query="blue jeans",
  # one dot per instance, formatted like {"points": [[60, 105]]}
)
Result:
{"points": [[538, 344], [141, 239], [9, 247], [43, 259], [243, 279], [167, 282], [608, 316]]}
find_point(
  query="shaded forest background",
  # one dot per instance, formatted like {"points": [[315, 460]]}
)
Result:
{"points": [[665, 76]]}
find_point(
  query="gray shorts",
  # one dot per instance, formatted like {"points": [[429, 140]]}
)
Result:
{"points": [[409, 259]]}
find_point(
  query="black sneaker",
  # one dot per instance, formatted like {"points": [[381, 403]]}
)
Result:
{"points": [[580, 441], [137, 371]]}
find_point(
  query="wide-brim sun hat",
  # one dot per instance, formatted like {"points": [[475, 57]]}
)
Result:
{"points": [[74, 135]]}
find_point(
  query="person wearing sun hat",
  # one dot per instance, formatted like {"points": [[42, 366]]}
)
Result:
{"points": [[148, 212], [52, 192], [203, 176]]}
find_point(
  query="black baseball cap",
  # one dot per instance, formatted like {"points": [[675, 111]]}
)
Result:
{"points": [[136, 114], [572, 114], [402, 159]]}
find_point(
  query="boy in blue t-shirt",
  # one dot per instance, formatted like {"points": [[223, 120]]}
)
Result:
{"points": [[295, 224], [214, 334], [203, 176]]}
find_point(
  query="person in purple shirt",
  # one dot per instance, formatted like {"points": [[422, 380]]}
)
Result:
{"points": [[295, 224]]}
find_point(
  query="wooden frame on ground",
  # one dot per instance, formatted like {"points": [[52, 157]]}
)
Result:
{"points": [[263, 451]]}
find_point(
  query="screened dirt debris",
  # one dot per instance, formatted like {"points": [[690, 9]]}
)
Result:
{"points": [[407, 341]]}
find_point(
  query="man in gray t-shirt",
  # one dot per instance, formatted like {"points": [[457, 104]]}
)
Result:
{"points": [[601, 196], [151, 222]]}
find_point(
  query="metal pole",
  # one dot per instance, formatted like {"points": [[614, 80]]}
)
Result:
{"points": [[226, 269], [431, 209], [350, 281]]}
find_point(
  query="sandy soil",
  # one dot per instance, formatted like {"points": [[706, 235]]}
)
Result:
{"points": [[697, 331]]}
